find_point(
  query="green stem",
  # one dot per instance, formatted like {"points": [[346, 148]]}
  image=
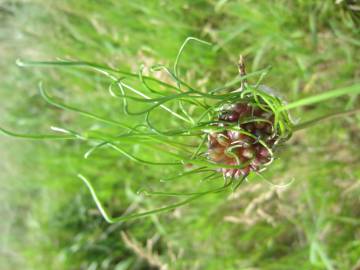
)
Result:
{"points": [[353, 89], [112, 220], [37, 136], [324, 117]]}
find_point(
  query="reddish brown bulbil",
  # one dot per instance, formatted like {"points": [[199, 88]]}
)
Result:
{"points": [[244, 143]]}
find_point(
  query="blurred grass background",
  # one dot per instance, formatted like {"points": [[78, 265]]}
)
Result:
{"points": [[48, 220]]}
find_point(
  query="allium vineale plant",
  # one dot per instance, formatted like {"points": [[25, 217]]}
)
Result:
{"points": [[222, 135]]}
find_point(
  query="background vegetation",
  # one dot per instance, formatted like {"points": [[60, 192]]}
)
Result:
{"points": [[48, 219]]}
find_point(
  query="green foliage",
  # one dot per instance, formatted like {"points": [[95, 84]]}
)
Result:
{"points": [[50, 220]]}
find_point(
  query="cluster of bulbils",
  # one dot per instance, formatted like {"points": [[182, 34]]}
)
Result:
{"points": [[245, 141]]}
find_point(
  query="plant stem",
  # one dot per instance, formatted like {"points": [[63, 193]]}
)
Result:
{"points": [[349, 90], [324, 117]]}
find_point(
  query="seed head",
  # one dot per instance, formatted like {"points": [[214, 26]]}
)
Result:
{"points": [[246, 141]]}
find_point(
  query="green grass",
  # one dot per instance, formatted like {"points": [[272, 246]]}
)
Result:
{"points": [[50, 219]]}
